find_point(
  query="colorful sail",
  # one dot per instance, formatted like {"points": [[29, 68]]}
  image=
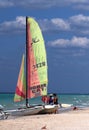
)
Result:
{"points": [[36, 61], [20, 93], [36, 68]]}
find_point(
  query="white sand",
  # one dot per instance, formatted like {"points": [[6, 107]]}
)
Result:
{"points": [[73, 120]]}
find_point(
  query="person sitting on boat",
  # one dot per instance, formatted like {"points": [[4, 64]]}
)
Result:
{"points": [[45, 99], [55, 99], [51, 99]]}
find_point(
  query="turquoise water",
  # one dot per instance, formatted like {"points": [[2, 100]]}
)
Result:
{"points": [[77, 100]]}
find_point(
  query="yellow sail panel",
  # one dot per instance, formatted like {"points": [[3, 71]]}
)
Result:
{"points": [[20, 93], [37, 61]]}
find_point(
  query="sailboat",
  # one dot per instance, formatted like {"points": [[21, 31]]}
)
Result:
{"points": [[33, 77], [34, 83]]}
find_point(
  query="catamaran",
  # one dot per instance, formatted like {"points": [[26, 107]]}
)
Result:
{"points": [[34, 83], [33, 77]]}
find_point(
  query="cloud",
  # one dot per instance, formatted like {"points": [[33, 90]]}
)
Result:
{"points": [[82, 42], [76, 25], [80, 20], [16, 26], [6, 3], [60, 23], [77, 1], [41, 4], [79, 23], [55, 24]]}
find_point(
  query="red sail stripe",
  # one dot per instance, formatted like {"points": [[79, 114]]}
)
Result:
{"points": [[20, 93]]}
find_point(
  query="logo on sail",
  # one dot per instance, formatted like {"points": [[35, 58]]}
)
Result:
{"points": [[35, 40]]}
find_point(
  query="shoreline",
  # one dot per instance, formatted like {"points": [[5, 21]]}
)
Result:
{"points": [[70, 120]]}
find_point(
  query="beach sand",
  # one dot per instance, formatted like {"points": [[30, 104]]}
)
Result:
{"points": [[71, 120]]}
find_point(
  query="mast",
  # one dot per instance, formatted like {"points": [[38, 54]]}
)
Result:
{"points": [[27, 62]]}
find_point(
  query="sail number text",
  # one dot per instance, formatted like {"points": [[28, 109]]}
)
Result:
{"points": [[39, 65]]}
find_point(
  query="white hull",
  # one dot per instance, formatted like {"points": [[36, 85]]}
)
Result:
{"points": [[66, 105], [48, 109], [65, 108], [44, 109], [25, 111]]}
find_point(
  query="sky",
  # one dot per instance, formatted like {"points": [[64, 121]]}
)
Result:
{"points": [[65, 28]]}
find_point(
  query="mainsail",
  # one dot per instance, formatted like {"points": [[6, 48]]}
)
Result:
{"points": [[36, 64]]}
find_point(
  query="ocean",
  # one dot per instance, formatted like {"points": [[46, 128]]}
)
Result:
{"points": [[80, 100]]}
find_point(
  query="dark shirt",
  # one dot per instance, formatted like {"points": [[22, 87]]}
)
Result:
{"points": [[51, 100], [55, 100]]}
